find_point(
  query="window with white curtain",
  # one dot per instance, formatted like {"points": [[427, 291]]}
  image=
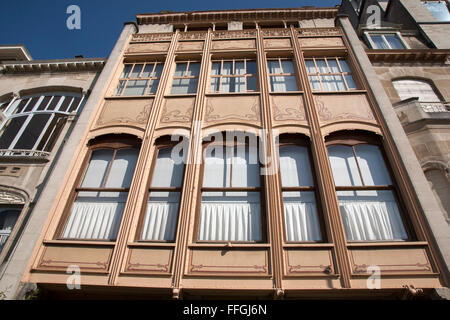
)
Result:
{"points": [[235, 75], [139, 79], [185, 78], [281, 75], [329, 74], [231, 195], [161, 214], [365, 193], [102, 194], [408, 88], [299, 202]]}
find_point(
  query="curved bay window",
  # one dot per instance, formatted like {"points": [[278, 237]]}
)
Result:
{"points": [[102, 193], [231, 194], [299, 199], [365, 191], [34, 123], [161, 213]]}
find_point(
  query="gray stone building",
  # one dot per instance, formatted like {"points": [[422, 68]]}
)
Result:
{"points": [[408, 44], [40, 102]]}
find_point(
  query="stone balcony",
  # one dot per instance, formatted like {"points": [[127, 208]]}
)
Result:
{"points": [[412, 110]]}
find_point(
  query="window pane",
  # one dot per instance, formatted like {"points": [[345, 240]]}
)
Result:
{"points": [[295, 168], [310, 66], [161, 216], [75, 104], [10, 130], [227, 86], [135, 87], [332, 63], [65, 104], [215, 68], [372, 166], [379, 42], [147, 70], [192, 87], [21, 106], [96, 171], [245, 167], [288, 66], [343, 165], [251, 67], [371, 215], [274, 66], [136, 70], [126, 71], [322, 65], [350, 82], [230, 216], [394, 42], [227, 68], [180, 69], [158, 70], [122, 169], [194, 69], [333, 83], [438, 9], [239, 67], [215, 82], [216, 172], [153, 86], [300, 216], [54, 103], [30, 106], [315, 82], [168, 171], [251, 83], [283, 83], [344, 65], [44, 103], [32, 131]]}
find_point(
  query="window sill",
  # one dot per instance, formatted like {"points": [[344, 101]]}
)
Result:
{"points": [[308, 245], [180, 95], [400, 243], [150, 96], [286, 92], [223, 94], [144, 243], [81, 242], [357, 91], [229, 245]]}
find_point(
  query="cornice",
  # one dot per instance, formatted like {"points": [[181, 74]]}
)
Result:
{"points": [[65, 65], [236, 15], [424, 55]]}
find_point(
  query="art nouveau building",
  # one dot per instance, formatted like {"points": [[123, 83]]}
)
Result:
{"points": [[40, 102], [315, 189]]}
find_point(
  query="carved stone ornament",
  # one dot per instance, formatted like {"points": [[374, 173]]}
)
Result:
{"points": [[10, 197]]}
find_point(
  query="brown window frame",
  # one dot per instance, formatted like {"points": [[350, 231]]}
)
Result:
{"points": [[295, 75], [119, 92], [341, 73], [174, 77], [234, 75], [201, 189]]}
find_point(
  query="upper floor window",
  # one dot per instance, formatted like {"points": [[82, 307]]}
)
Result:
{"points": [[329, 74], [139, 79], [233, 76], [385, 41], [185, 78], [299, 200], [366, 195], [101, 194], [415, 88], [231, 194], [164, 194], [34, 123], [281, 75], [439, 9], [8, 218]]}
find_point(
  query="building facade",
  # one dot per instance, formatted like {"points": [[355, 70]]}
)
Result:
{"points": [[241, 154], [40, 101]]}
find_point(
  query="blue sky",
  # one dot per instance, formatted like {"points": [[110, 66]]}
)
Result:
{"points": [[41, 24]]}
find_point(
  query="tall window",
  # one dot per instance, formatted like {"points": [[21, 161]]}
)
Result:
{"points": [[281, 75], [34, 123], [8, 218], [164, 196], [231, 194], [329, 74], [365, 193], [139, 79], [439, 9], [299, 202], [185, 78], [233, 76], [101, 196], [385, 41]]}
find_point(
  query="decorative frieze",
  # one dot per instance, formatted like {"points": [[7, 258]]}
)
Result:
{"points": [[313, 32], [235, 34], [152, 37]]}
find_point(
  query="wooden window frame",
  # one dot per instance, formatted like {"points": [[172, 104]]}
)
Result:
{"points": [[201, 189], [120, 90], [233, 75], [368, 35], [295, 75], [341, 73], [174, 77]]}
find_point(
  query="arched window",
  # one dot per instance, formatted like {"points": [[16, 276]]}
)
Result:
{"points": [[34, 122], [8, 218], [301, 218], [231, 194], [161, 215], [101, 194], [366, 195], [415, 88]]}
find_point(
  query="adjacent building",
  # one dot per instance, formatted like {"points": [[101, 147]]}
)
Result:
{"points": [[241, 154]]}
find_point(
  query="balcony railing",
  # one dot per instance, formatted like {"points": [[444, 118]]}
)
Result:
{"points": [[23, 153], [4, 235], [435, 106]]}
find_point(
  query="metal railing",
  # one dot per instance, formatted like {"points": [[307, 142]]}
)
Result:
{"points": [[23, 153], [4, 235], [435, 106]]}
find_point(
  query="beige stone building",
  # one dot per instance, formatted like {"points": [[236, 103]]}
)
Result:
{"points": [[315, 191], [40, 102]]}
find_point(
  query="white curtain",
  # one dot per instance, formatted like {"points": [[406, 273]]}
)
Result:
{"points": [[234, 217], [371, 216], [415, 88]]}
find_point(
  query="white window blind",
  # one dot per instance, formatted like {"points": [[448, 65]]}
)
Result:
{"points": [[414, 88]]}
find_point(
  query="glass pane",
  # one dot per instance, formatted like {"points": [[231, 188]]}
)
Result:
{"points": [[379, 42], [30, 106], [310, 66], [32, 131], [283, 83], [438, 9], [350, 82], [288, 66], [230, 216], [120, 86], [343, 165], [158, 70], [10, 130], [315, 82], [274, 66], [44, 103], [300, 217], [239, 67], [216, 171], [194, 69], [215, 84], [135, 88], [251, 67], [322, 65], [21, 106], [180, 69], [295, 168], [65, 104], [147, 70], [192, 85], [227, 68], [245, 167], [239, 84], [344, 65], [333, 65], [372, 166], [251, 83], [371, 216], [54, 103], [122, 169], [215, 68], [96, 171], [126, 71], [161, 216], [137, 70], [333, 83], [153, 86], [75, 104], [394, 42], [227, 85], [168, 171]]}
